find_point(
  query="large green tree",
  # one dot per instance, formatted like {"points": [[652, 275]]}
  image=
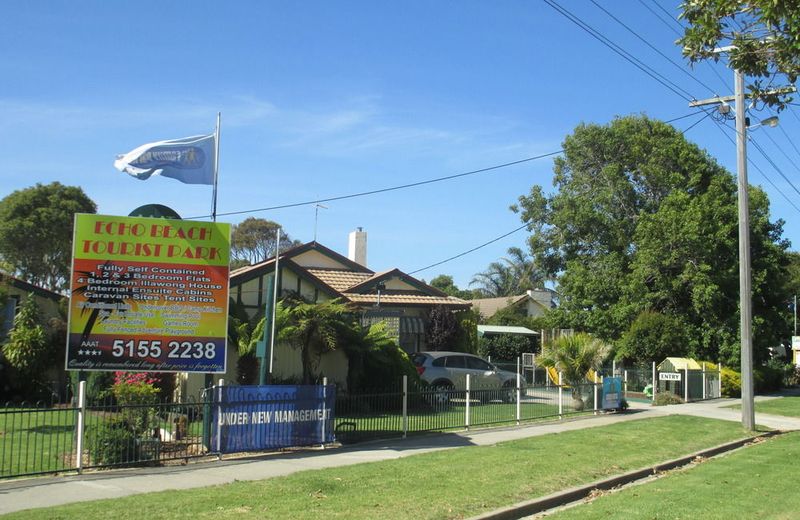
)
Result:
{"points": [[253, 240], [765, 35], [36, 232], [445, 283], [644, 220]]}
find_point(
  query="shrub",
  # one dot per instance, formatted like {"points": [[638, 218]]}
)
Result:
{"points": [[115, 443], [792, 377], [767, 379], [731, 383], [505, 347], [664, 398], [134, 391]]}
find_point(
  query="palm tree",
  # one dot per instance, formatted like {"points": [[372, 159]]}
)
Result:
{"points": [[573, 356], [511, 276], [315, 328]]}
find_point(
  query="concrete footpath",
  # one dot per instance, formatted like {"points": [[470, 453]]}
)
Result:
{"points": [[52, 491]]}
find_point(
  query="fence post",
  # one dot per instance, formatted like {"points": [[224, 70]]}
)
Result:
{"points": [[613, 367], [594, 387], [655, 383], [405, 406], [719, 380], [686, 385], [466, 411], [704, 380], [322, 424], [625, 385], [519, 392], [560, 398], [219, 416], [81, 421]]}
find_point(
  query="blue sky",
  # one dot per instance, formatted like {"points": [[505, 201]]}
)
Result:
{"points": [[322, 99]]}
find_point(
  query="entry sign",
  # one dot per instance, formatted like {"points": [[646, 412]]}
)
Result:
{"points": [[669, 376], [247, 418], [148, 295]]}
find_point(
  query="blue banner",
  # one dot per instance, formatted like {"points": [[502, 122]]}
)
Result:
{"points": [[251, 418], [612, 393]]}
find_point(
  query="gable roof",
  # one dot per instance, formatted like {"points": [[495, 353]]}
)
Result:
{"points": [[488, 307], [22, 285], [352, 282]]}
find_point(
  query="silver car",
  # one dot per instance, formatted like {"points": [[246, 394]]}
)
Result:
{"points": [[449, 370]]}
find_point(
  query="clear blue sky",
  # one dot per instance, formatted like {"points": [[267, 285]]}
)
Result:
{"points": [[321, 99]]}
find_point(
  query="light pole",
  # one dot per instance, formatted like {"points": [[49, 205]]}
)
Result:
{"points": [[745, 290]]}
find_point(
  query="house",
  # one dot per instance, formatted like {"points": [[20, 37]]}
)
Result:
{"points": [[533, 303], [317, 273], [14, 291]]}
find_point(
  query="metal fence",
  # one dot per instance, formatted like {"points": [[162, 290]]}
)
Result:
{"points": [[46, 438], [104, 433]]}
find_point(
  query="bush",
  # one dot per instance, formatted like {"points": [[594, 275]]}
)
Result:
{"points": [[664, 398], [115, 443], [652, 337], [504, 347], [792, 376], [731, 383], [767, 379]]}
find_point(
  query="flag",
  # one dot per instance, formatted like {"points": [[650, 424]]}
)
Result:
{"points": [[189, 160]]}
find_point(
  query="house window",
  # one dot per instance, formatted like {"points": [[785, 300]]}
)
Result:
{"points": [[10, 310]]}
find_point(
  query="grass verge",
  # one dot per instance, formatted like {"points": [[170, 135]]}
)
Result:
{"points": [[446, 484], [787, 406], [755, 482]]}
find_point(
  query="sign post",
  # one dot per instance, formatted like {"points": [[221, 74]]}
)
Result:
{"points": [[148, 295]]}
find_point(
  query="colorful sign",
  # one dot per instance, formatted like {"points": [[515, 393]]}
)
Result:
{"points": [[148, 295], [248, 418], [612, 393]]}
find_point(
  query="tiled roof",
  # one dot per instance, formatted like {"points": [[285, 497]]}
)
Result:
{"points": [[489, 306], [340, 280], [405, 299]]}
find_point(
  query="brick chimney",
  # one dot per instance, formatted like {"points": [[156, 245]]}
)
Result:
{"points": [[357, 246]]}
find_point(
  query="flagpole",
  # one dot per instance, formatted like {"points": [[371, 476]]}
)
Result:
{"points": [[216, 170], [275, 297]]}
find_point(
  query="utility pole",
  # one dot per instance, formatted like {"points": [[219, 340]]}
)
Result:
{"points": [[745, 294]]}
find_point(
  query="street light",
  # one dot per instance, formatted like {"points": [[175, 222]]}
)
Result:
{"points": [[745, 291]]}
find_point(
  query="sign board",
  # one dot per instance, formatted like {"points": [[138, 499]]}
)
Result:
{"points": [[247, 418], [612, 393], [669, 376], [148, 295], [795, 342]]}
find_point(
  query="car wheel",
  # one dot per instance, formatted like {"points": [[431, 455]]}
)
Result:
{"points": [[509, 392], [442, 393]]}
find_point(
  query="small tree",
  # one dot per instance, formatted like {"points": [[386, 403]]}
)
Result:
{"points": [[27, 348], [315, 328], [442, 330], [573, 356]]}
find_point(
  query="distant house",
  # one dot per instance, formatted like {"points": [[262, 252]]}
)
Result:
{"points": [[317, 274], [532, 303], [13, 293], [16, 291]]}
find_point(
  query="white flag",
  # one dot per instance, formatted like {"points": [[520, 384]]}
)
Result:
{"points": [[189, 160]]}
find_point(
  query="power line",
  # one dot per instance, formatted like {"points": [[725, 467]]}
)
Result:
{"points": [[492, 241], [525, 225], [676, 89], [653, 47], [721, 127], [392, 188], [677, 32]]}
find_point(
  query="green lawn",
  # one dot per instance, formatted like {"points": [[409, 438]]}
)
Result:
{"points": [[788, 406], [757, 482], [446, 484], [34, 441]]}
